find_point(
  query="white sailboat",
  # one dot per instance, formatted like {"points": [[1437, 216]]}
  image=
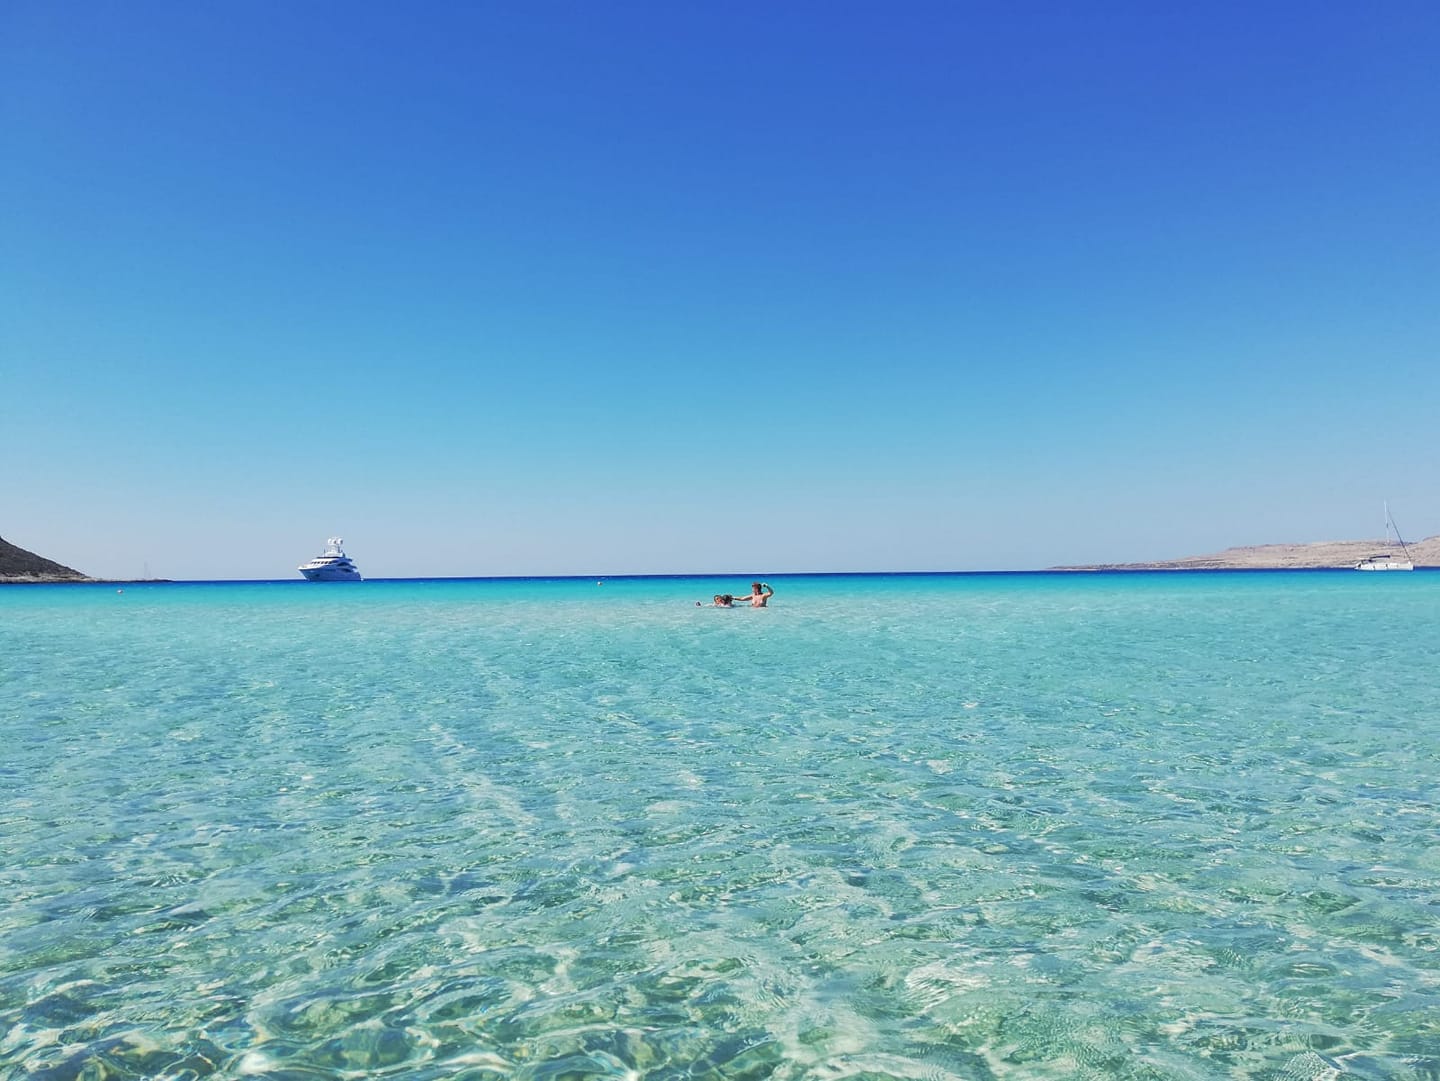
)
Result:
{"points": [[1388, 561]]}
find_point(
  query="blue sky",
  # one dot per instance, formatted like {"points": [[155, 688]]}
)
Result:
{"points": [[640, 287]]}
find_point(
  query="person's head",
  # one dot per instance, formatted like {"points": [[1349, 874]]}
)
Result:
{"points": [[756, 587], [717, 599], [727, 599]]}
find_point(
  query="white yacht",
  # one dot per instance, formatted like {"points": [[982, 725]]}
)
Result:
{"points": [[1388, 561], [331, 565]]}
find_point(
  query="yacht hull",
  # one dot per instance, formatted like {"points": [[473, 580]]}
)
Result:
{"points": [[330, 574]]}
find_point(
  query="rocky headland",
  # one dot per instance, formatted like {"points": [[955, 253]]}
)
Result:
{"points": [[20, 566]]}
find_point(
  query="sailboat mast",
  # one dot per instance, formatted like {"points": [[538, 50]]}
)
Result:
{"points": [[1389, 525]]}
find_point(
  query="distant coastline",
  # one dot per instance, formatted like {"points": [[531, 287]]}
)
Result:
{"points": [[1317, 555], [21, 567]]}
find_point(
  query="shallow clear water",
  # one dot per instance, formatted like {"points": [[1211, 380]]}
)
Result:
{"points": [[1143, 826]]}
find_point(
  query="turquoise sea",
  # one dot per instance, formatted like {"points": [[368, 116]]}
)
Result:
{"points": [[933, 827]]}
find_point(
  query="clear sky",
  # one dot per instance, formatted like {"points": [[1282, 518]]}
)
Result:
{"points": [[553, 288]]}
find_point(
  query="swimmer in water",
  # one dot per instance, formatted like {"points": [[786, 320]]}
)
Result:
{"points": [[724, 600], [760, 595]]}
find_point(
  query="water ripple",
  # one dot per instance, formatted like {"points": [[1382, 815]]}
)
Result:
{"points": [[1148, 828]]}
